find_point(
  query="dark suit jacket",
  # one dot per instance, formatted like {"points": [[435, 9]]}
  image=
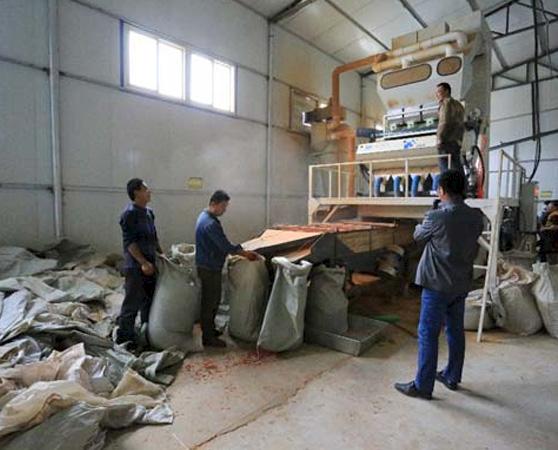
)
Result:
{"points": [[450, 234]]}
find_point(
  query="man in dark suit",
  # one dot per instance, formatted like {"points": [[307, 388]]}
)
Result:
{"points": [[445, 273]]}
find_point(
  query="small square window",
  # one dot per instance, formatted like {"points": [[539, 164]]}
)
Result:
{"points": [[212, 82], [171, 70], [154, 64], [142, 61], [201, 79]]}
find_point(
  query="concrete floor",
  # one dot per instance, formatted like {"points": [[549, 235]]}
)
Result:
{"points": [[314, 398]]}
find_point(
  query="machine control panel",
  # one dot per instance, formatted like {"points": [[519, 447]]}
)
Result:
{"points": [[411, 143], [411, 121]]}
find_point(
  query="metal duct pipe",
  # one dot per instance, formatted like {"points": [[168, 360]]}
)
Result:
{"points": [[459, 37], [54, 97], [346, 136], [335, 102], [269, 141], [406, 60]]}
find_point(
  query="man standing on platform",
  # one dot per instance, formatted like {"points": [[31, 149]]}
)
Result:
{"points": [[451, 126]]}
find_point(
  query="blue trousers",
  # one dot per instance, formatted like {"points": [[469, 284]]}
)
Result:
{"points": [[437, 308]]}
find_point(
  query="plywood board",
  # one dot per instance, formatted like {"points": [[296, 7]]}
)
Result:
{"points": [[276, 238]]}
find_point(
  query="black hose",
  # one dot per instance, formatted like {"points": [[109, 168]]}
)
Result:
{"points": [[535, 99]]}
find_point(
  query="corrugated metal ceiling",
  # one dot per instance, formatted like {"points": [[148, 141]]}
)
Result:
{"points": [[353, 29]]}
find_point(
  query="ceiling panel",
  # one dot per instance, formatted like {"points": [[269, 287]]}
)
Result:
{"points": [[517, 48], [361, 48], [496, 66], [519, 73], [351, 5], [521, 46], [338, 36], [519, 17], [433, 11], [313, 20], [551, 5], [378, 13], [332, 32], [502, 82], [404, 23]]}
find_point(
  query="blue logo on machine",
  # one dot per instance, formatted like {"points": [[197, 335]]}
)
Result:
{"points": [[409, 143]]}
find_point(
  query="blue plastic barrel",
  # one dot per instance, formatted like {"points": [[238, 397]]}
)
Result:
{"points": [[436, 182], [377, 185], [415, 185], [396, 186]]}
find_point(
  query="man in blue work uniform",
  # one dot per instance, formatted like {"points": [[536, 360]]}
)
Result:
{"points": [[212, 247], [141, 244], [445, 273]]}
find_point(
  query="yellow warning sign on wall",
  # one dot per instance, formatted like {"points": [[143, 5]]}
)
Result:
{"points": [[194, 183]]}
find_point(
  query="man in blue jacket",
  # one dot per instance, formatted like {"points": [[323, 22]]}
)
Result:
{"points": [[140, 244], [212, 247], [445, 273]]}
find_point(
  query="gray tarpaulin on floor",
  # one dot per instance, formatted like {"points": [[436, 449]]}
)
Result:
{"points": [[16, 261], [81, 421], [63, 381]]}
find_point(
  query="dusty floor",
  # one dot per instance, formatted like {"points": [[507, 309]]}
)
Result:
{"points": [[319, 399]]}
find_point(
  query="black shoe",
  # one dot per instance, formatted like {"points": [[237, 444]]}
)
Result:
{"points": [[122, 339], [451, 386], [410, 390], [213, 342]]}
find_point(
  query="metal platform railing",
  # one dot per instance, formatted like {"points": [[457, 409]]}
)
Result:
{"points": [[342, 188], [346, 180]]}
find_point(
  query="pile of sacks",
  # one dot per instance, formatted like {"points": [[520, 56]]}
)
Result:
{"points": [[273, 318], [523, 302], [300, 295], [62, 380]]}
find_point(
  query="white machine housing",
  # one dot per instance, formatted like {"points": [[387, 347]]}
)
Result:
{"points": [[408, 92]]}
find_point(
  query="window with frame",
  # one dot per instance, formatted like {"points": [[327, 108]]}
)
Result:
{"points": [[212, 82], [153, 64]]}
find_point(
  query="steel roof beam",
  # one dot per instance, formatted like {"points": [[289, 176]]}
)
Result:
{"points": [[414, 13], [475, 7], [523, 83], [522, 63], [541, 10], [292, 9], [496, 8], [522, 30]]}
